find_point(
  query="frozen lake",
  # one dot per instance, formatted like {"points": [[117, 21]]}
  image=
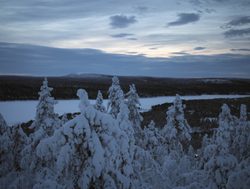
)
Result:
{"points": [[21, 111]]}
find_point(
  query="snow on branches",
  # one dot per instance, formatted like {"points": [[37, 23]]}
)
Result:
{"points": [[99, 148]]}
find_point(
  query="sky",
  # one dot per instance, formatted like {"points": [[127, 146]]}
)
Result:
{"points": [[169, 38]]}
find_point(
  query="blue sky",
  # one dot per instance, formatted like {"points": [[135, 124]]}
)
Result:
{"points": [[199, 36]]}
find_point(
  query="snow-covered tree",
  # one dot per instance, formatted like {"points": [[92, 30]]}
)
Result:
{"points": [[19, 141], [99, 102], [134, 104], [227, 125], [126, 126], [12, 141], [152, 136], [45, 115], [219, 153], [99, 150], [169, 131], [240, 178], [3, 125], [123, 120], [46, 122], [177, 130], [243, 113], [241, 140], [181, 174], [220, 164], [134, 114], [153, 142], [64, 119], [148, 170], [6, 157], [219, 161], [116, 96], [89, 151]]}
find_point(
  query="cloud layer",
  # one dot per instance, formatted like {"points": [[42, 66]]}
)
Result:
{"points": [[116, 26], [199, 48], [122, 35], [122, 21], [237, 32], [38, 60], [239, 21], [244, 50], [185, 18]]}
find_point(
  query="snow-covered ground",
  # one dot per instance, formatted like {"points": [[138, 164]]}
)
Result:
{"points": [[21, 111]]}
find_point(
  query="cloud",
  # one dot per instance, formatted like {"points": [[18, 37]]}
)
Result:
{"points": [[142, 9], [153, 48], [196, 2], [220, 1], [206, 10], [132, 38], [38, 60], [209, 11], [128, 36], [122, 35], [199, 48], [180, 53], [205, 2], [243, 20], [246, 50], [237, 32], [132, 52], [185, 18], [122, 21]]}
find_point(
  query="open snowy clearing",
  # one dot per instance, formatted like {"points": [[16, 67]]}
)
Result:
{"points": [[22, 111]]}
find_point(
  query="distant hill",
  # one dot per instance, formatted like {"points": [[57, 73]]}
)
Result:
{"points": [[65, 87]]}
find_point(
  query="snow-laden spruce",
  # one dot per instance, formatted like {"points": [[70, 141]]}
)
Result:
{"points": [[6, 158], [134, 114], [152, 136], [44, 125], [90, 151], [45, 114], [96, 149], [134, 105], [219, 162], [26, 161], [240, 177], [219, 165], [12, 142], [177, 131], [115, 96], [241, 139], [99, 102], [225, 133], [153, 142]]}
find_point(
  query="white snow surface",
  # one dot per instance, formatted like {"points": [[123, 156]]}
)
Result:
{"points": [[24, 110]]}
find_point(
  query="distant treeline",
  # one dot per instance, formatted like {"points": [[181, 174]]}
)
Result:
{"points": [[25, 87]]}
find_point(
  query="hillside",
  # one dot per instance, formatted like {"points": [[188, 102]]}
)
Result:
{"points": [[26, 87]]}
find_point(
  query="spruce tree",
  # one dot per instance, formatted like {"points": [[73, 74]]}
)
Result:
{"points": [[46, 122], [6, 157], [116, 96], [134, 114], [89, 151], [227, 125], [177, 128], [241, 142], [217, 155], [99, 102], [45, 115]]}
